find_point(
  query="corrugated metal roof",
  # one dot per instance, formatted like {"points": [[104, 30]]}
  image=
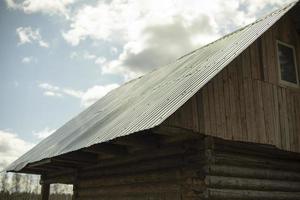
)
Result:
{"points": [[146, 102]]}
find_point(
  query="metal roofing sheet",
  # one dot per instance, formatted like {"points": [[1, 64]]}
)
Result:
{"points": [[147, 101]]}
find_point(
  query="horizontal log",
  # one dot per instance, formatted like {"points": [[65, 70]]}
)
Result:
{"points": [[140, 141], [175, 131], [161, 163], [223, 182], [77, 157], [261, 173], [264, 150], [142, 177], [65, 179], [148, 154], [140, 188], [106, 148], [39, 163], [157, 196], [189, 176], [253, 161], [224, 194], [67, 172]]}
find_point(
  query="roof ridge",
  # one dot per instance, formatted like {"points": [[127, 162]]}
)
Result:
{"points": [[241, 28], [221, 38]]}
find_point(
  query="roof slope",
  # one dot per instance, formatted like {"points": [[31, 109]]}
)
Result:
{"points": [[147, 101]]}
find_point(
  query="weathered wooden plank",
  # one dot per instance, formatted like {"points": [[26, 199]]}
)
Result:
{"points": [[206, 111], [268, 103], [222, 194], [250, 110], [286, 134], [217, 106], [255, 66], [276, 117], [222, 112], [264, 57], [194, 111], [212, 108], [246, 172], [139, 188], [228, 130], [260, 135], [237, 99], [291, 117], [236, 183], [172, 174], [200, 112], [254, 161], [272, 71], [232, 98]]}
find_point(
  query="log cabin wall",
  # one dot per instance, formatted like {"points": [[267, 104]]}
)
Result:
{"points": [[202, 168], [245, 101], [239, 170], [171, 172]]}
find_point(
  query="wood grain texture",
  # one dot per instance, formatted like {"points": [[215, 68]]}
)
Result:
{"points": [[246, 101], [245, 170]]}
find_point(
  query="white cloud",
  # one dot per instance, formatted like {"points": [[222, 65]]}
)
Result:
{"points": [[74, 55], [29, 35], [113, 50], [48, 86], [94, 93], [52, 94], [50, 90], [72, 93], [11, 147], [85, 55], [86, 97], [29, 59], [100, 60], [89, 56], [43, 133], [26, 59], [152, 35], [50, 7]]}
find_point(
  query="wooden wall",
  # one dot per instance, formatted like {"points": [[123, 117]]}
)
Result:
{"points": [[204, 168], [245, 101], [250, 171], [172, 172]]}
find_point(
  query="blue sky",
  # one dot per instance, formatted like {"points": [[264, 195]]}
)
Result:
{"points": [[60, 56]]}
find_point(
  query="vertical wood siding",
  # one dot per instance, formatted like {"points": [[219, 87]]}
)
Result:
{"points": [[245, 101]]}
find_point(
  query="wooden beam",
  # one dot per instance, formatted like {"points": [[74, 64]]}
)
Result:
{"points": [[64, 179], [77, 157], [61, 173], [39, 163], [174, 134], [70, 163], [138, 141], [30, 171], [107, 149], [43, 168], [45, 189]]}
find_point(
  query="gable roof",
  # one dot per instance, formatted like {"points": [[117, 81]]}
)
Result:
{"points": [[147, 101]]}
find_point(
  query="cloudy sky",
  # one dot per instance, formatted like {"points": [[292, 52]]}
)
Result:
{"points": [[58, 56]]}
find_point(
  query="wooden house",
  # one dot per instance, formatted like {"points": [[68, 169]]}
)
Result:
{"points": [[221, 123]]}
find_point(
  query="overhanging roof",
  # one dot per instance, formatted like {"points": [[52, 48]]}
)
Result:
{"points": [[146, 102]]}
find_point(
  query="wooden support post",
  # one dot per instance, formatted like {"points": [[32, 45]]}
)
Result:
{"points": [[45, 189]]}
